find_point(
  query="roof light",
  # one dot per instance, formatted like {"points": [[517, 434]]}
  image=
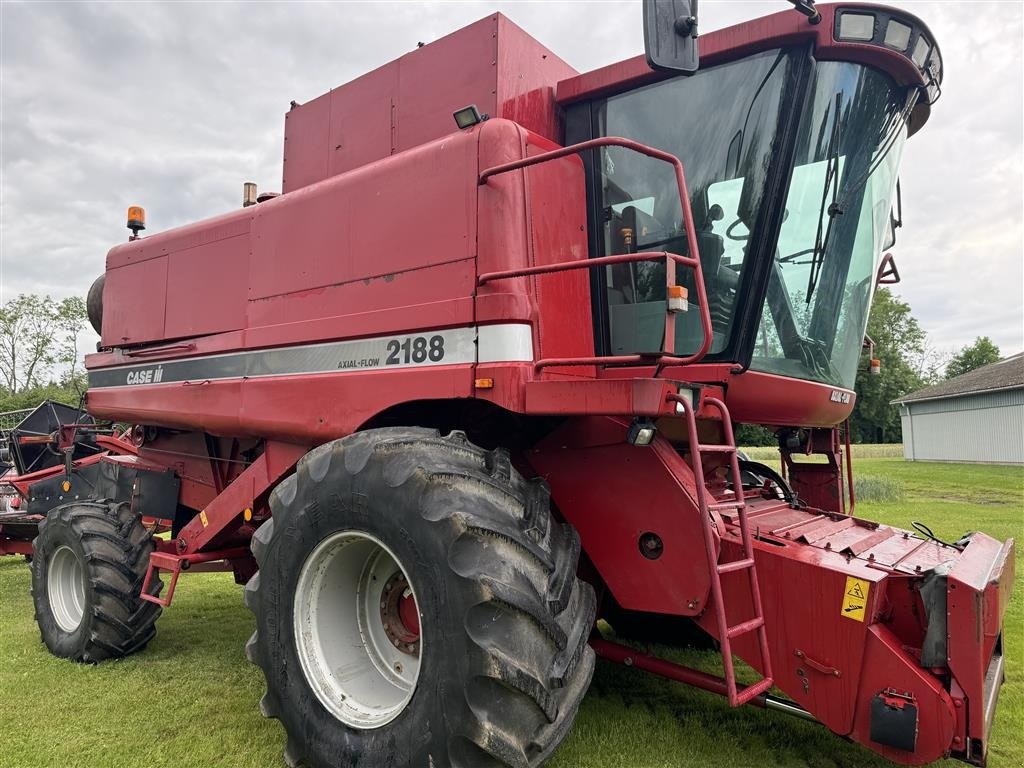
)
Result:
{"points": [[856, 26], [897, 35], [467, 117], [136, 219]]}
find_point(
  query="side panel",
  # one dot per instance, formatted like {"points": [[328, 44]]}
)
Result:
{"points": [[613, 493], [556, 198], [408, 213], [197, 304], [527, 73], [134, 301]]}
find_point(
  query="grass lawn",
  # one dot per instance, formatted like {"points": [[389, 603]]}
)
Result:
{"points": [[191, 698]]}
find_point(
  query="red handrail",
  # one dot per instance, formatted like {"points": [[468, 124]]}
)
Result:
{"points": [[666, 357]]}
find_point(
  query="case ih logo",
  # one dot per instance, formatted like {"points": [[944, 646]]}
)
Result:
{"points": [[838, 396], [145, 376]]}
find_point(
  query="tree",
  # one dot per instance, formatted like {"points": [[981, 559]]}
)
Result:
{"points": [[981, 352], [36, 334], [899, 344]]}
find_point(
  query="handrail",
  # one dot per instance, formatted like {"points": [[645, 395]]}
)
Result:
{"points": [[667, 356]]}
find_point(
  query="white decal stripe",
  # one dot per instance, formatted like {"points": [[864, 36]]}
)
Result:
{"points": [[511, 342]]}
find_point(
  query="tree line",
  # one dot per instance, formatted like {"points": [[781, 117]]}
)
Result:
{"points": [[40, 357], [909, 363]]}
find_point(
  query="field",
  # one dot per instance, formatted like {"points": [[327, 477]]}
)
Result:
{"points": [[191, 698]]}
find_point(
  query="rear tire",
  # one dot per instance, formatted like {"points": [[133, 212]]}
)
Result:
{"points": [[500, 650], [89, 561]]}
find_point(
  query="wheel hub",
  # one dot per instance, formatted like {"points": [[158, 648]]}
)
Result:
{"points": [[400, 615], [357, 629], [65, 588]]}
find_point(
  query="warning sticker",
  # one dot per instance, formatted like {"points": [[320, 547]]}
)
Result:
{"points": [[855, 599]]}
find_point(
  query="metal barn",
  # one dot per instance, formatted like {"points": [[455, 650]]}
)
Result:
{"points": [[976, 417]]}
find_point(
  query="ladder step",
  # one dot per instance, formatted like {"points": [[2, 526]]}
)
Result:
{"points": [[736, 565], [752, 691], [724, 506], [717, 449], [746, 626]]}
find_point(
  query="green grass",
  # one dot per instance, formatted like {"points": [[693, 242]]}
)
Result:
{"points": [[873, 488], [191, 698]]}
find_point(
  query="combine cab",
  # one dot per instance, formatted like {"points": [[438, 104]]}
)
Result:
{"points": [[504, 314]]}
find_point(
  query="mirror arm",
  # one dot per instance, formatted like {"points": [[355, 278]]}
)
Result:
{"points": [[806, 7]]}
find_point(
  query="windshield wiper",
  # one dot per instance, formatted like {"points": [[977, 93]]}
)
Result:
{"points": [[824, 232], [837, 207]]}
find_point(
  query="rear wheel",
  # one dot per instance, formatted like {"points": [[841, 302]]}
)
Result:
{"points": [[89, 562], [417, 605]]}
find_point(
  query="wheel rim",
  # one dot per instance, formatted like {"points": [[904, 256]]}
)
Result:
{"points": [[357, 632], [65, 588]]}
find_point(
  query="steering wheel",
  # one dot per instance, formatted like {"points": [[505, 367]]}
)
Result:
{"points": [[729, 233]]}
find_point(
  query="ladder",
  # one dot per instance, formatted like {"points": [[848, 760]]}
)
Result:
{"points": [[726, 633]]}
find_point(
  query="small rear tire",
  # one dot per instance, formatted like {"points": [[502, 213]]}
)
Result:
{"points": [[89, 562], [418, 605]]}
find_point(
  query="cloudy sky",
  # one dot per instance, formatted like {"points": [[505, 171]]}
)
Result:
{"points": [[174, 105]]}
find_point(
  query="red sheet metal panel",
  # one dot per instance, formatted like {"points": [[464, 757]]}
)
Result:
{"points": [[134, 301], [527, 73], [306, 142], [613, 492], [492, 63], [361, 123], [207, 288], [558, 228], [409, 212]]}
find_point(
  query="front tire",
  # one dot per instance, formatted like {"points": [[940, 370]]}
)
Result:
{"points": [[89, 561], [489, 663]]}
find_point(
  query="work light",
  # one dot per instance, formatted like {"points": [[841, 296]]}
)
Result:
{"points": [[467, 117], [641, 432]]}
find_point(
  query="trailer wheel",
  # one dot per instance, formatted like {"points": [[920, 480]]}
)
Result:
{"points": [[89, 561], [417, 604]]}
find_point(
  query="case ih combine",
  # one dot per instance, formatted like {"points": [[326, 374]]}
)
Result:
{"points": [[469, 384]]}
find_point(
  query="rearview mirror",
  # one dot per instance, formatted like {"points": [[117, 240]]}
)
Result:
{"points": [[670, 34]]}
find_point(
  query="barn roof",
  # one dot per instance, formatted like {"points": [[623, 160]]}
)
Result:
{"points": [[1006, 374]]}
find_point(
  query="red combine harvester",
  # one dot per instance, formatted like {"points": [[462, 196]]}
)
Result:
{"points": [[469, 384]]}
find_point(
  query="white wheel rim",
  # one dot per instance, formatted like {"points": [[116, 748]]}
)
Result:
{"points": [[65, 588], [352, 635]]}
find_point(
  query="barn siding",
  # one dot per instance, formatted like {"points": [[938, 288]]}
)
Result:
{"points": [[978, 427]]}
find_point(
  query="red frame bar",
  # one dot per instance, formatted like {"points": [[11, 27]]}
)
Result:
{"points": [[175, 564], [227, 507], [606, 649], [666, 357]]}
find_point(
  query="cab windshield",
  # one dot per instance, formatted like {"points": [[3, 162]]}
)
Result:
{"points": [[728, 125]]}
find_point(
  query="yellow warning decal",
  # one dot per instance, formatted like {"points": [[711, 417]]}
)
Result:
{"points": [[855, 598], [204, 519]]}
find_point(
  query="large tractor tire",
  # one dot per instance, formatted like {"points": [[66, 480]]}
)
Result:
{"points": [[89, 562], [417, 605]]}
